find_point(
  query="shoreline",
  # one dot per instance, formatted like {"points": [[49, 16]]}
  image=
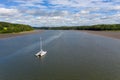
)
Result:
{"points": [[111, 34], [7, 35]]}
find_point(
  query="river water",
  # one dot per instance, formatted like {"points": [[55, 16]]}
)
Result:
{"points": [[72, 55]]}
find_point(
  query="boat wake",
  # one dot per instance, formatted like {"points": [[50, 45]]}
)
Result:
{"points": [[53, 37]]}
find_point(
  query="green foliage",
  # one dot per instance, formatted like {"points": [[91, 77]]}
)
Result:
{"points": [[103, 27], [13, 28]]}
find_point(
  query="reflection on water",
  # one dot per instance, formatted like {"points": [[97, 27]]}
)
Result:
{"points": [[72, 55]]}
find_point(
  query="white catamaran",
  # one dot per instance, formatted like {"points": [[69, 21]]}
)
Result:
{"points": [[41, 52]]}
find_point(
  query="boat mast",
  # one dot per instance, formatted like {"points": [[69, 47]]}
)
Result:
{"points": [[40, 43]]}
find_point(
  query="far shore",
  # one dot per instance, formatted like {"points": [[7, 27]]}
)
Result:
{"points": [[112, 34], [7, 35]]}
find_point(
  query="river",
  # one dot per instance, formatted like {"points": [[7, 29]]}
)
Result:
{"points": [[71, 55]]}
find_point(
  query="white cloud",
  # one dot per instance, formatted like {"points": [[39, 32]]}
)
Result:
{"points": [[84, 12], [79, 3], [61, 12], [8, 12], [116, 7], [70, 3], [28, 1]]}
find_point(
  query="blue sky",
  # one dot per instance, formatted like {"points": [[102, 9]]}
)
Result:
{"points": [[60, 12]]}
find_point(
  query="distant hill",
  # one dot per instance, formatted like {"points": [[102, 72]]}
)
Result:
{"points": [[6, 27], [100, 27]]}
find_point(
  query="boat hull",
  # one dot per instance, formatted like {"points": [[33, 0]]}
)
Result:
{"points": [[41, 53]]}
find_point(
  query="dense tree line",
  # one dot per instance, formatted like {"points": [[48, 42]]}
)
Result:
{"points": [[6, 27], [104, 27], [93, 27]]}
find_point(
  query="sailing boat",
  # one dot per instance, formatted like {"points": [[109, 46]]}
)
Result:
{"points": [[41, 52]]}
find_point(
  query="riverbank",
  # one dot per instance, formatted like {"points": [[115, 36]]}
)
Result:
{"points": [[112, 34], [19, 34]]}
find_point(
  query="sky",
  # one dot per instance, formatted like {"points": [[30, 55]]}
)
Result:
{"points": [[53, 13]]}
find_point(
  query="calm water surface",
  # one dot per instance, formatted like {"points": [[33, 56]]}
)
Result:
{"points": [[72, 55]]}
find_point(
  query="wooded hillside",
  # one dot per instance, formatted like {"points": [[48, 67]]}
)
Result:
{"points": [[6, 27], [102, 27]]}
